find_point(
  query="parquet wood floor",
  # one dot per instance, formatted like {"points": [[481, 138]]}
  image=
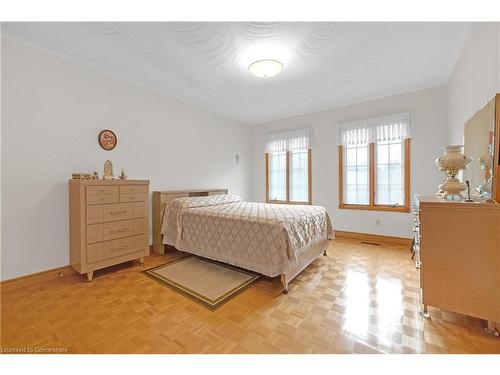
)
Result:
{"points": [[358, 299]]}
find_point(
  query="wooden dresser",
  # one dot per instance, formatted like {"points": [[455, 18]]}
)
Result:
{"points": [[108, 223], [458, 254]]}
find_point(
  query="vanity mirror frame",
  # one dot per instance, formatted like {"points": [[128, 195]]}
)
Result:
{"points": [[495, 188]]}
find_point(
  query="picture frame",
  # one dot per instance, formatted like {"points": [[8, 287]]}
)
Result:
{"points": [[107, 139]]}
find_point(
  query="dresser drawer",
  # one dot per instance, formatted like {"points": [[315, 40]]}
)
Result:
{"points": [[132, 189], [117, 229], [94, 214], [116, 248], [132, 197], [140, 209], [140, 226], [94, 252], [102, 198], [115, 212], [93, 190], [94, 233], [141, 242]]}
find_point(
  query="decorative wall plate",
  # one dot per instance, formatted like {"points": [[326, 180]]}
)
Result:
{"points": [[107, 139]]}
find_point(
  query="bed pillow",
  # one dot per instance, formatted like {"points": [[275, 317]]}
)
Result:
{"points": [[213, 200]]}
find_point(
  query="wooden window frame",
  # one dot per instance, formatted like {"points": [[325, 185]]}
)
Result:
{"points": [[372, 206], [309, 180]]}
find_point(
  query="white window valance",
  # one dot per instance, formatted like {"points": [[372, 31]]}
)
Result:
{"points": [[388, 128], [293, 140]]}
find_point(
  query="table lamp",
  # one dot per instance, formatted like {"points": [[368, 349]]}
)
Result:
{"points": [[451, 162]]}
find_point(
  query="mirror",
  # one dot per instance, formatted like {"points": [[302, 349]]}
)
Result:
{"points": [[479, 144]]}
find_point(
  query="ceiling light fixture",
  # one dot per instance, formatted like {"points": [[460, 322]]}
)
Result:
{"points": [[265, 68]]}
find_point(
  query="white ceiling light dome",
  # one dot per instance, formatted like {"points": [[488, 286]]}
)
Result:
{"points": [[265, 68]]}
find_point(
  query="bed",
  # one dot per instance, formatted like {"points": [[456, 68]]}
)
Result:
{"points": [[270, 239]]}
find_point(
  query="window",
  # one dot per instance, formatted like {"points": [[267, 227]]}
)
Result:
{"points": [[278, 176], [389, 175], [356, 177], [299, 176], [288, 176], [288, 167], [374, 164]]}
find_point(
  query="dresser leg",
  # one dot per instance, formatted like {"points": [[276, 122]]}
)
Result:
{"points": [[90, 275], [141, 261], [492, 329], [424, 313]]}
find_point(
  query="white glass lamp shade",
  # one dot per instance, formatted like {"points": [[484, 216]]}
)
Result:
{"points": [[453, 159], [265, 68]]}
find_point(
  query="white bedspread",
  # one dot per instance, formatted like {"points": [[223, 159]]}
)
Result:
{"points": [[266, 238]]}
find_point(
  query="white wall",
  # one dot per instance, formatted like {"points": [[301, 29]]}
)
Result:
{"points": [[430, 115], [475, 78], [52, 111]]}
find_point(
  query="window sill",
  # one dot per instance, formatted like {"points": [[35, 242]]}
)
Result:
{"points": [[287, 202], [374, 208]]}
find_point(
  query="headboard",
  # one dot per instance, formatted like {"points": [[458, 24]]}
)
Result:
{"points": [[161, 198]]}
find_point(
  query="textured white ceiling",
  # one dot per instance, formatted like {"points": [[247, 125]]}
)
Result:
{"points": [[325, 64]]}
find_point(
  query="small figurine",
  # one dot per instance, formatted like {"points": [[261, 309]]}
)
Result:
{"points": [[123, 176], [95, 176], [80, 176], [108, 171]]}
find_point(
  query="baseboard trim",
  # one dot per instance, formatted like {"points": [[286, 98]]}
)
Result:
{"points": [[375, 238], [33, 278], [37, 277]]}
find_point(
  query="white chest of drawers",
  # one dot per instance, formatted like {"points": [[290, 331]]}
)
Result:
{"points": [[458, 255], [108, 223]]}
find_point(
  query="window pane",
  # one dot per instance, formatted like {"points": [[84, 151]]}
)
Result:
{"points": [[362, 194], [396, 194], [382, 194], [395, 153], [382, 153], [299, 176], [382, 174], [362, 176], [356, 175], [351, 176], [350, 194], [277, 176], [362, 156], [350, 156], [396, 174], [389, 184]]}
